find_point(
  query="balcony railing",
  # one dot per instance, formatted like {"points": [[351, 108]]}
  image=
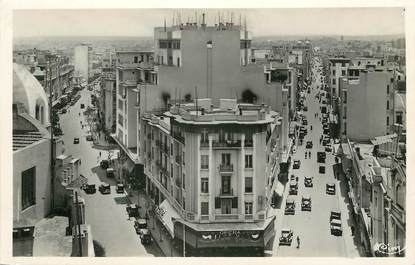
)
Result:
{"points": [[178, 137], [228, 192], [223, 217], [204, 143], [158, 143], [179, 159], [226, 168], [249, 143], [226, 144], [249, 217], [204, 218], [164, 148]]}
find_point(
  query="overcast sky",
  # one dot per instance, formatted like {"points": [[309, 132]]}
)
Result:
{"points": [[262, 22]]}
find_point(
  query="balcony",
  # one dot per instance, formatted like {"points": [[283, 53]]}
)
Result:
{"points": [[158, 143], [249, 217], [164, 148], [179, 160], [224, 217], [226, 144], [226, 193], [204, 144], [249, 143], [204, 218], [226, 168]]}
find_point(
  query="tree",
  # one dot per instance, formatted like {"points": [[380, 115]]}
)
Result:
{"points": [[248, 96]]}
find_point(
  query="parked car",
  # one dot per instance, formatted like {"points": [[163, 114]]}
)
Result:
{"points": [[305, 108], [63, 111], [297, 164], [140, 225], [321, 157], [132, 210], [306, 203], [322, 169], [309, 145], [289, 206], [145, 237], [110, 172], [286, 237], [328, 149], [82, 106], [89, 188], [308, 182], [104, 164], [89, 137], [105, 188], [76, 140], [293, 187], [305, 122], [120, 188], [330, 189]]}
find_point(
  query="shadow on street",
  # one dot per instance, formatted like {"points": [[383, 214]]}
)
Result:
{"points": [[102, 175]]}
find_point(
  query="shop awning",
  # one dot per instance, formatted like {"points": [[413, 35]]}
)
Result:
{"points": [[166, 214]]}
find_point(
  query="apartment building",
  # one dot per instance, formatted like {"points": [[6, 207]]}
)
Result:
{"points": [[205, 166], [83, 61], [128, 75], [109, 92], [377, 188], [366, 103], [337, 69]]}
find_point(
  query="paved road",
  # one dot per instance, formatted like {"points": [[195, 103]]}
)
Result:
{"points": [[105, 213], [313, 227]]}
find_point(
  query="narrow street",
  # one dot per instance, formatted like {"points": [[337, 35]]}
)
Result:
{"points": [[105, 213], [313, 228]]}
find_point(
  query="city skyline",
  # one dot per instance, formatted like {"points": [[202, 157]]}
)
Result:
{"points": [[300, 21]]}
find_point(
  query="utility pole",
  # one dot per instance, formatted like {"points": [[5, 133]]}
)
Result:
{"points": [[48, 85]]}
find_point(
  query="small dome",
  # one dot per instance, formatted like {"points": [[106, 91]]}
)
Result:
{"points": [[28, 91]]}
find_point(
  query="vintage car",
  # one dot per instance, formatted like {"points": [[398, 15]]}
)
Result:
{"points": [[110, 172], [308, 182], [132, 210], [305, 122], [82, 106], [89, 188], [289, 206], [305, 108], [286, 237], [321, 157], [145, 237], [336, 223], [328, 148], [76, 140], [309, 145], [104, 164], [322, 169], [330, 189], [306, 203], [293, 187], [120, 188], [105, 188], [140, 225], [296, 164]]}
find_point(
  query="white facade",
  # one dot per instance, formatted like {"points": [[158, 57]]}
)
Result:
{"points": [[82, 61]]}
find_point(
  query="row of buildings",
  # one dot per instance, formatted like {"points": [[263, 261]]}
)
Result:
{"points": [[203, 122]]}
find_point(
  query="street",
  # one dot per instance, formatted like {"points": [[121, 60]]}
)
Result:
{"points": [[106, 214], [313, 228]]}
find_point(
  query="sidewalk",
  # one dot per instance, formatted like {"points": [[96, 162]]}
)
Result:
{"points": [[159, 233]]}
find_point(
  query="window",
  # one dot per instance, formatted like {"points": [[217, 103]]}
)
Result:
{"points": [[343, 72], [399, 118], [248, 184], [204, 161], [171, 148], [184, 178], [387, 89], [343, 64], [226, 159], [226, 184], [171, 170], [178, 61], [120, 120], [387, 104], [183, 158], [135, 59], [120, 104], [204, 208], [248, 207], [334, 72], [226, 206], [28, 187], [387, 120], [248, 161], [333, 82], [204, 185]]}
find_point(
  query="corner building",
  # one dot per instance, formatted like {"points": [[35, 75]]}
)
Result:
{"points": [[207, 170]]}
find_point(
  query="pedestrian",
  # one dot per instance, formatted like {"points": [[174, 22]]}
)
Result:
{"points": [[298, 242], [309, 154]]}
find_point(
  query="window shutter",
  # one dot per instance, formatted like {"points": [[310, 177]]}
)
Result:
{"points": [[217, 203], [235, 202]]}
